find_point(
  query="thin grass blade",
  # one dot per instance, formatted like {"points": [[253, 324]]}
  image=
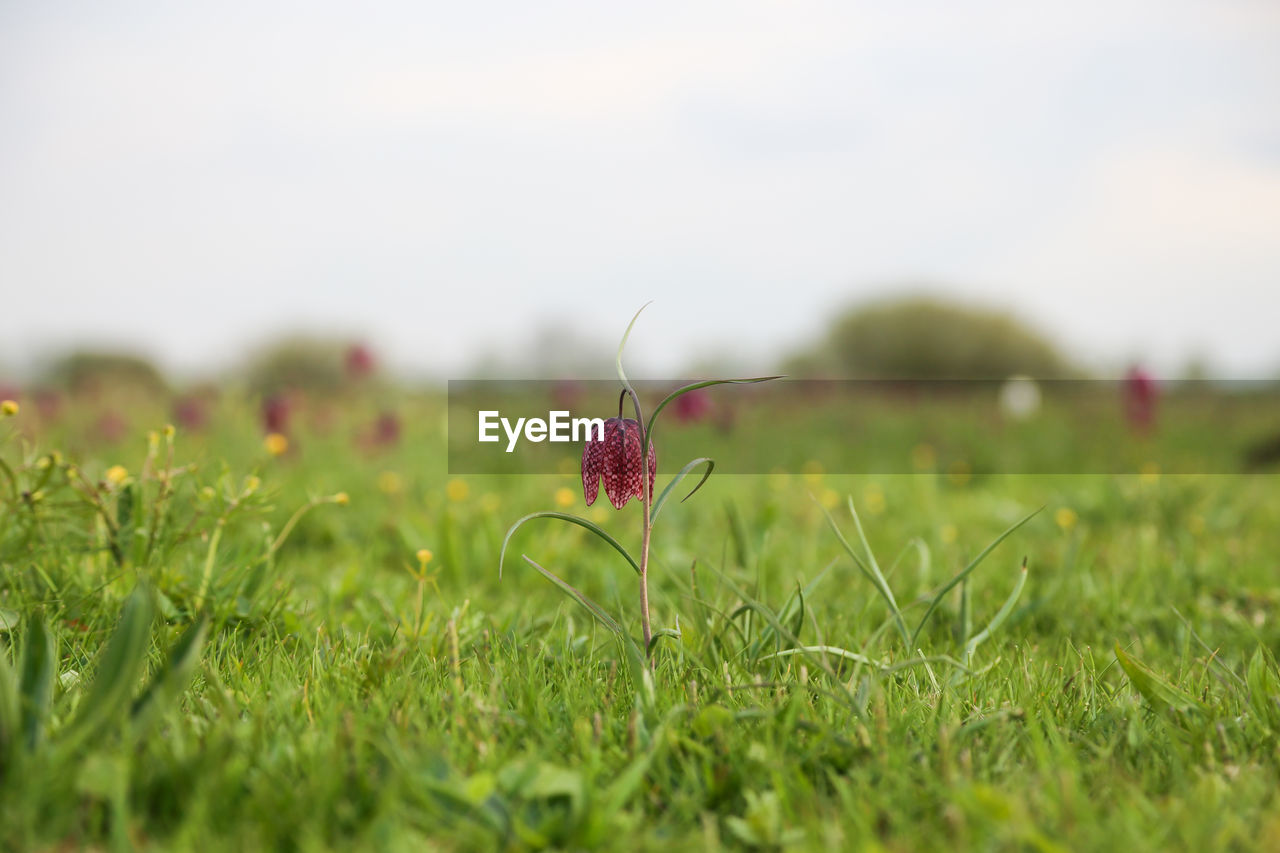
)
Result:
{"points": [[10, 715], [118, 669], [173, 678], [965, 572], [875, 576], [1001, 615]]}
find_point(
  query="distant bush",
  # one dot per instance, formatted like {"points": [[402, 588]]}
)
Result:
{"points": [[926, 338], [89, 370], [298, 364]]}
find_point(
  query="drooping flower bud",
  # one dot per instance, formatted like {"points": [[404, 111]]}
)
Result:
{"points": [[617, 459]]}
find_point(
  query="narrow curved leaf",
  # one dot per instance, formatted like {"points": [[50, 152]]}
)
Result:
{"points": [[596, 610], [572, 519], [680, 475], [10, 715], [872, 572], [39, 660], [693, 386], [883, 668], [1159, 693], [1001, 615], [118, 669], [622, 375]]}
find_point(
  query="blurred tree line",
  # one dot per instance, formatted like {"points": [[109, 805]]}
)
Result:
{"points": [[928, 338], [912, 337]]}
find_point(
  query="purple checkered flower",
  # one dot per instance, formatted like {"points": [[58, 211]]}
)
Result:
{"points": [[617, 459]]}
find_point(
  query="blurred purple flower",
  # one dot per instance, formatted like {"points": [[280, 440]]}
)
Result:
{"points": [[693, 406], [48, 404], [360, 361], [386, 430], [617, 459], [190, 412], [111, 426], [1140, 395], [276, 410]]}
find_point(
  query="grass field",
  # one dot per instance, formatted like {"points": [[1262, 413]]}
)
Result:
{"points": [[211, 647]]}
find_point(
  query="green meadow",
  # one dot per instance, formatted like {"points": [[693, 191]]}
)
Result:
{"points": [[207, 645]]}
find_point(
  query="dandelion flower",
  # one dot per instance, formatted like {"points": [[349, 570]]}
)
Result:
{"points": [[389, 483], [457, 490], [873, 499], [924, 457], [276, 443], [9, 408], [116, 475]]}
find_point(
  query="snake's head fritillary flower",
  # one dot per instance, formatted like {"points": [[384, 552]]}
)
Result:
{"points": [[692, 407], [191, 411], [616, 458], [276, 411], [1140, 395], [360, 361]]}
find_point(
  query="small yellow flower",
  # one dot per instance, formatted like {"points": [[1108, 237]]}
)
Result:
{"points": [[873, 499], [829, 498], [251, 485], [116, 475], [564, 497], [390, 483], [276, 444], [9, 408], [424, 557], [169, 431], [457, 490], [948, 533], [342, 499], [1066, 518]]}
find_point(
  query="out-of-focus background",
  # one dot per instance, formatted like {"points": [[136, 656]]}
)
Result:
{"points": [[471, 191]]}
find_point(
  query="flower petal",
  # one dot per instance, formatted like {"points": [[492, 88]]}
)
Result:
{"points": [[591, 466]]}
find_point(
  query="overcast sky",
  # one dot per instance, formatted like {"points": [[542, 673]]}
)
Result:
{"points": [[446, 179]]}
